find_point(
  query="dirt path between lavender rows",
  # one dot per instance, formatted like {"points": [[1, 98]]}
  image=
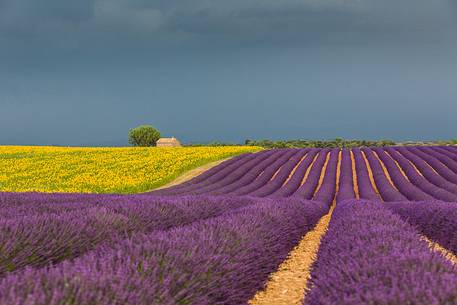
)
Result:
{"points": [[191, 174]]}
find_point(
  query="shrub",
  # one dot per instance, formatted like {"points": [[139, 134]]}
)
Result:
{"points": [[336, 143], [144, 135]]}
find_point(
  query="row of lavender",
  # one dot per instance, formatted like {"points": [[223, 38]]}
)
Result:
{"points": [[97, 249], [86, 249], [371, 255], [397, 174], [39, 229], [149, 249]]}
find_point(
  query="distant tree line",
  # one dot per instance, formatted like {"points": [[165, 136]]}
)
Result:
{"points": [[335, 143], [338, 142], [428, 143], [147, 135]]}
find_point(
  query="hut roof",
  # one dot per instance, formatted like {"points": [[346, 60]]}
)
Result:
{"points": [[164, 141], [168, 140]]}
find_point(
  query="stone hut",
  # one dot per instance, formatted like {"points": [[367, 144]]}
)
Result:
{"points": [[168, 142]]}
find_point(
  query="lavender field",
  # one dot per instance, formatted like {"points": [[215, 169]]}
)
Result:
{"points": [[221, 237]]}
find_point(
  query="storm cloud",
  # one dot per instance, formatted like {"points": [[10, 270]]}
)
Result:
{"points": [[293, 21], [83, 72]]}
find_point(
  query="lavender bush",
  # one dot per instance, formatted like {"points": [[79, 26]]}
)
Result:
{"points": [[44, 237], [385, 188], [223, 260], [445, 159], [266, 175], [277, 182], [346, 185], [430, 173], [436, 164], [418, 180], [295, 181], [216, 238], [370, 256], [210, 175], [435, 219], [366, 190], [326, 192], [308, 188], [241, 176]]}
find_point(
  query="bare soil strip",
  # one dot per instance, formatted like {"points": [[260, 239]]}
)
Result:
{"points": [[276, 173], [294, 170], [305, 177], [191, 174], [434, 246], [289, 284], [441, 250], [321, 178], [259, 175], [354, 176], [386, 172], [409, 161], [399, 167], [338, 174], [426, 162], [415, 167], [370, 173]]}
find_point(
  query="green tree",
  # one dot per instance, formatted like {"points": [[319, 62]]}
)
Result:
{"points": [[144, 135]]}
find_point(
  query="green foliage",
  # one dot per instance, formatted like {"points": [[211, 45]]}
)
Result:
{"points": [[449, 142], [338, 142], [335, 143], [144, 135]]}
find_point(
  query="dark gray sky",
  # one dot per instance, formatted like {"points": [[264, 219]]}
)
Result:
{"points": [[84, 72]]}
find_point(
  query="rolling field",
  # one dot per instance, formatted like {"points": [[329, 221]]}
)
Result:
{"points": [[285, 226], [380, 174], [101, 170]]}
